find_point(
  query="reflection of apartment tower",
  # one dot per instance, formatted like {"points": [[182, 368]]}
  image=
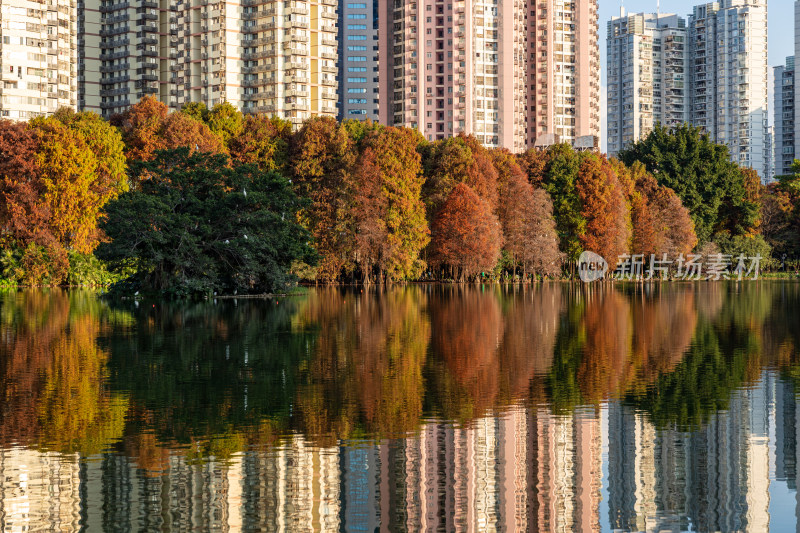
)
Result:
{"points": [[122, 53], [289, 52], [757, 460], [358, 59], [786, 425], [38, 58], [360, 488], [783, 135], [631, 469], [729, 77], [563, 70], [648, 63], [456, 67], [563, 464], [39, 491]]}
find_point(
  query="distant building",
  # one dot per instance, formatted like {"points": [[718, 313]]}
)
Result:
{"points": [[783, 134], [38, 58], [648, 68], [358, 60], [711, 73]]}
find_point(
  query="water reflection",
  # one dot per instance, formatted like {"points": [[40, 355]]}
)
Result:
{"points": [[552, 408]]}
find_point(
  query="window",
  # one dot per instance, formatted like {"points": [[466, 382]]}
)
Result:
{"points": [[358, 111], [356, 80], [356, 48], [356, 6], [356, 100], [356, 15], [356, 37], [356, 69], [357, 58], [356, 26], [357, 90]]}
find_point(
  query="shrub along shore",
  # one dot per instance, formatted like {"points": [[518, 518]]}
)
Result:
{"points": [[204, 201]]}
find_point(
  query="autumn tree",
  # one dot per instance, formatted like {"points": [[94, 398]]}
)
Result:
{"points": [[390, 215], [147, 127], [263, 141], [458, 160], [466, 237], [526, 216], [534, 163], [605, 209], [321, 166], [225, 121]]}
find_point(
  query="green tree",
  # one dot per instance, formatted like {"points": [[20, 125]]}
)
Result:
{"points": [[263, 141], [714, 189], [197, 225], [225, 121], [560, 181]]}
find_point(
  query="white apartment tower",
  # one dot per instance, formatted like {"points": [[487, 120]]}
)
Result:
{"points": [[729, 78], [39, 60], [648, 64], [264, 56]]}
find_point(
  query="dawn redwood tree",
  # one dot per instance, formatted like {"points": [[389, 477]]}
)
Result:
{"points": [[466, 236], [148, 127], [391, 226], [530, 230], [605, 209], [197, 225], [263, 141], [455, 160], [716, 191], [321, 165]]}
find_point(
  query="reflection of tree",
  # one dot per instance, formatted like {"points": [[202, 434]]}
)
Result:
{"points": [[468, 328], [197, 370], [53, 374], [531, 324], [367, 370]]}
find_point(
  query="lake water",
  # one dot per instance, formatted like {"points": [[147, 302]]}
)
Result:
{"points": [[546, 408]]}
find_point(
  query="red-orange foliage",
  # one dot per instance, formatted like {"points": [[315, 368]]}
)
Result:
{"points": [[660, 222], [148, 126], [370, 214], [533, 163], [466, 234], [605, 209]]}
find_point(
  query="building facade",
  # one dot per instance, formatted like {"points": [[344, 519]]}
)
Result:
{"points": [[648, 63], [263, 56], [358, 60], [39, 58], [711, 73], [504, 72], [729, 78], [563, 70]]}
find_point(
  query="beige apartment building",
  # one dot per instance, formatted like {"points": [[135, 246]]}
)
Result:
{"points": [[275, 57], [39, 60]]}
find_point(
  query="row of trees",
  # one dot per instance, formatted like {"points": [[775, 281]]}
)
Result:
{"points": [[379, 203]]}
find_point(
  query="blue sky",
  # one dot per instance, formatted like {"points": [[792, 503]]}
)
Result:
{"points": [[780, 20]]}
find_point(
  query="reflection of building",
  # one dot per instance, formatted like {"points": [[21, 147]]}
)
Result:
{"points": [[39, 491]]}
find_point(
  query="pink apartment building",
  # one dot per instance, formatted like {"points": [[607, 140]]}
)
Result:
{"points": [[506, 72]]}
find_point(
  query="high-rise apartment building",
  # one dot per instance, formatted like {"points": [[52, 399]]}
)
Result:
{"points": [[783, 133], [123, 50], [505, 72], [729, 77], [358, 60], [38, 57], [648, 64], [563, 70], [712, 74], [265, 56]]}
